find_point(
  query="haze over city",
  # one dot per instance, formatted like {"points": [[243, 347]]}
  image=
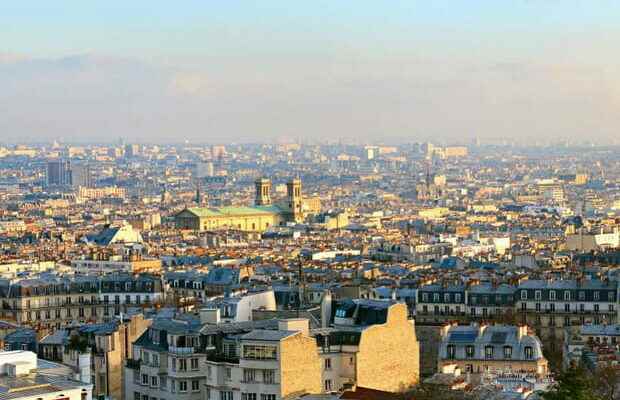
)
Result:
{"points": [[253, 71]]}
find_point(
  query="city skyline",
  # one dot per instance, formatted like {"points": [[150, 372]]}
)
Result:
{"points": [[255, 72]]}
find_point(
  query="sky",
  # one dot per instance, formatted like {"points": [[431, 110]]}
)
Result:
{"points": [[213, 71]]}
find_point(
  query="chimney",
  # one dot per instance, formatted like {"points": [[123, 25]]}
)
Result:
{"points": [[522, 331], [326, 309], [483, 327], [210, 316], [295, 324]]}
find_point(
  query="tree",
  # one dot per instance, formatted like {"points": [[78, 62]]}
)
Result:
{"points": [[607, 380], [573, 384], [79, 343]]}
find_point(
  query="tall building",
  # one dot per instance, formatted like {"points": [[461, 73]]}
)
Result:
{"points": [[66, 173], [58, 173]]}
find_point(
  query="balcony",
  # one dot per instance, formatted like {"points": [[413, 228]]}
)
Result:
{"points": [[180, 350]]}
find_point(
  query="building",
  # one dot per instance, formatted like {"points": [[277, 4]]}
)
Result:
{"points": [[53, 302], [594, 345], [593, 241], [258, 217], [549, 306], [479, 349], [106, 346], [66, 173], [368, 343], [23, 376], [168, 362]]}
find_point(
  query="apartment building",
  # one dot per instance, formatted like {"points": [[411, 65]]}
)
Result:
{"points": [[167, 362], [551, 305], [97, 352], [54, 301], [479, 349]]}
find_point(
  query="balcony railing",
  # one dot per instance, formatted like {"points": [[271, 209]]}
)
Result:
{"points": [[180, 350]]}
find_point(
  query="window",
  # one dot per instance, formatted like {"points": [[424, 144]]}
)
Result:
{"points": [[154, 381], [195, 385], [155, 359], [226, 395], [259, 352], [537, 307], [249, 375], [162, 383], [610, 296], [248, 396], [567, 307], [529, 352], [328, 363], [597, 295], [507, 352], [566, 295], [269, 376], [524, 295], [435, 299], [582, 307], [596, 308], [469, 351], [611, 308], [537, 295], [552, 295], [227, 374], [451, 352], [446, 298], [182, 386], [194, 362], [472, 311], [145, 379], [267, 396], [328, 385], [582, 295], [552, 307], [182, 364], [488, 352], [425, 297], [136, 395]]}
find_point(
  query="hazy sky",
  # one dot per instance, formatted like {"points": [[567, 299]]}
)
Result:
{"points": [[225, 70]]}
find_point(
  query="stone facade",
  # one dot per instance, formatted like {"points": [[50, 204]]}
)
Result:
{"points": [[388, 356]]}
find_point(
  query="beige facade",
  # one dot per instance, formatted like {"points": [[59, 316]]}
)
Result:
{"points": [[300, 367], [388, 355]]}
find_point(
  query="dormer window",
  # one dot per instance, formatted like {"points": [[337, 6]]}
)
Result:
{"points": [[488, 352]]}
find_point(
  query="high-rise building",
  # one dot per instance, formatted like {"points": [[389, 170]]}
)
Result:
{"points": [[66, 173], [58, 173]]}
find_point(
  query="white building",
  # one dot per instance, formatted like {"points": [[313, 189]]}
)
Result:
{"points": [[23, 376]]}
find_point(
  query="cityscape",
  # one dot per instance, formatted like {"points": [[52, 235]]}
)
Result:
{"points": [[284, 201]]}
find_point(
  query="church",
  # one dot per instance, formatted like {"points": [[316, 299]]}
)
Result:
{"points": [[257, 218]]}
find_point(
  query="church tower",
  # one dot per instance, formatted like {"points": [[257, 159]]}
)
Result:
{"points": [[263, 192], [293, 191]]}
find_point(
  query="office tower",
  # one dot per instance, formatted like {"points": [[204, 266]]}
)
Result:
{"points": [[58, 173], [66, 173]]}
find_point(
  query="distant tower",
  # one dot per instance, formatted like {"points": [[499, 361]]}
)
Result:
{"points": [[198, 194], [263, 192], [293, 191]]}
